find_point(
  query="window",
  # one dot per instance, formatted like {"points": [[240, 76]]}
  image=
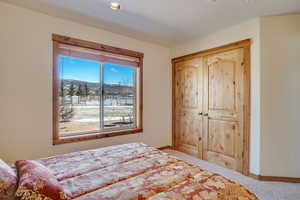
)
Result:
{"points": [[97, 90]]}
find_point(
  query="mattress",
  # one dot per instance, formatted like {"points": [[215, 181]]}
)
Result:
{"points": [[137, 171]]}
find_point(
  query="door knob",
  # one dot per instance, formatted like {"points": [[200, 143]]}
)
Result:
{"points": [[200, 113], [206, 114], [200, 138]]}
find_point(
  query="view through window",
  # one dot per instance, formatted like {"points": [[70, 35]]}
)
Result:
{"points": [[95, 96], [97, 90]]}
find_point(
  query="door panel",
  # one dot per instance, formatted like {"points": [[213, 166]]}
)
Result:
{"points": [[190, 88], [221, 136], [188, 106], [221, 85], [187, 86], [223, 108], [188, 131], [222, 160]]}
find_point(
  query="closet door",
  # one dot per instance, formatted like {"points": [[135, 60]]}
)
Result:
{"points": [[188, 106], [223, 109]]}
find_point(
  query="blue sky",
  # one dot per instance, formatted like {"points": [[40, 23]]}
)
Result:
{"points": [[89, 70]]}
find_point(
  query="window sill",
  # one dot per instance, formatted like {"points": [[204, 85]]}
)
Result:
{"points": [[78, 138]]}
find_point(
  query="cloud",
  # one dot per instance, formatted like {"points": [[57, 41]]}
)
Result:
{"points": [[113, 69]]}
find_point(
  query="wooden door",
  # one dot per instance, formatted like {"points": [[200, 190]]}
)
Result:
{"points": [[188, 106], [223, 109]]}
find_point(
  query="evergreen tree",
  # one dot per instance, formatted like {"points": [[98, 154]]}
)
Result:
{"points": [[79, 93], [86, 90], [62, 90], [71, 91]]}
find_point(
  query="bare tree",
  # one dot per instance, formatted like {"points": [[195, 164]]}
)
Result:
{"points": [[66, 112]]}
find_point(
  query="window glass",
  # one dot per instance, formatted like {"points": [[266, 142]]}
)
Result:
{"points": [[79, 98], [119, 97]]}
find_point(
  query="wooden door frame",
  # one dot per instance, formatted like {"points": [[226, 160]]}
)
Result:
{"points": [[245, 44]]}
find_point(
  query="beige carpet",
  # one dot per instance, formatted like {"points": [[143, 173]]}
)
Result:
{"points": [[263, 190]]}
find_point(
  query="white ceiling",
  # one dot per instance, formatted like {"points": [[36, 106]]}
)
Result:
{"points": [[166, 22]]}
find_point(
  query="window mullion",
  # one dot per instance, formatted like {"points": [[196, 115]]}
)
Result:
{"points": [[101, 93]]}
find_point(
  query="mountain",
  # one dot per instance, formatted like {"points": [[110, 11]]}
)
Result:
{"points": [[109, 89]]}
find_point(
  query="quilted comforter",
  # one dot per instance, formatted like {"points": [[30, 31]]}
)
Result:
{"points": [[137, 171]]}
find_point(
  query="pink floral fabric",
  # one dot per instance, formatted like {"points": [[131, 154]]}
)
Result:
{"points": [[8, 181], [37, 182], [137, 171]]}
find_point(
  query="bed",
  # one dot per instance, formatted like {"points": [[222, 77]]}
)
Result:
{"points": [[129, 171]]}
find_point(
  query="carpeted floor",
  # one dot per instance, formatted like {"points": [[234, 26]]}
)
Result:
{"points": [[263, 190]]}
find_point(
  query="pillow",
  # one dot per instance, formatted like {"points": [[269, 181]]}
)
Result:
{"points": [[37, 182], [8, 181]]}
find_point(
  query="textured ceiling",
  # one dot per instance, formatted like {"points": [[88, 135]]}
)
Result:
{"points": [[166, 22]]}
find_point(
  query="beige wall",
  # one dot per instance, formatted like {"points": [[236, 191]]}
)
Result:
{"points": [[280, 95], [249, 29], [26, 85]]}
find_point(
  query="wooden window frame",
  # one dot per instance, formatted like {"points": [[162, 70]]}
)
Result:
{"points": [[102, 53]]}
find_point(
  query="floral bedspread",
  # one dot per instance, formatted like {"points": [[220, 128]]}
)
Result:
{"points": [[137, 171]]}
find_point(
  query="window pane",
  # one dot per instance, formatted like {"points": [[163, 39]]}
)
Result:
{"points": [[78, 96], [119, 96]]}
